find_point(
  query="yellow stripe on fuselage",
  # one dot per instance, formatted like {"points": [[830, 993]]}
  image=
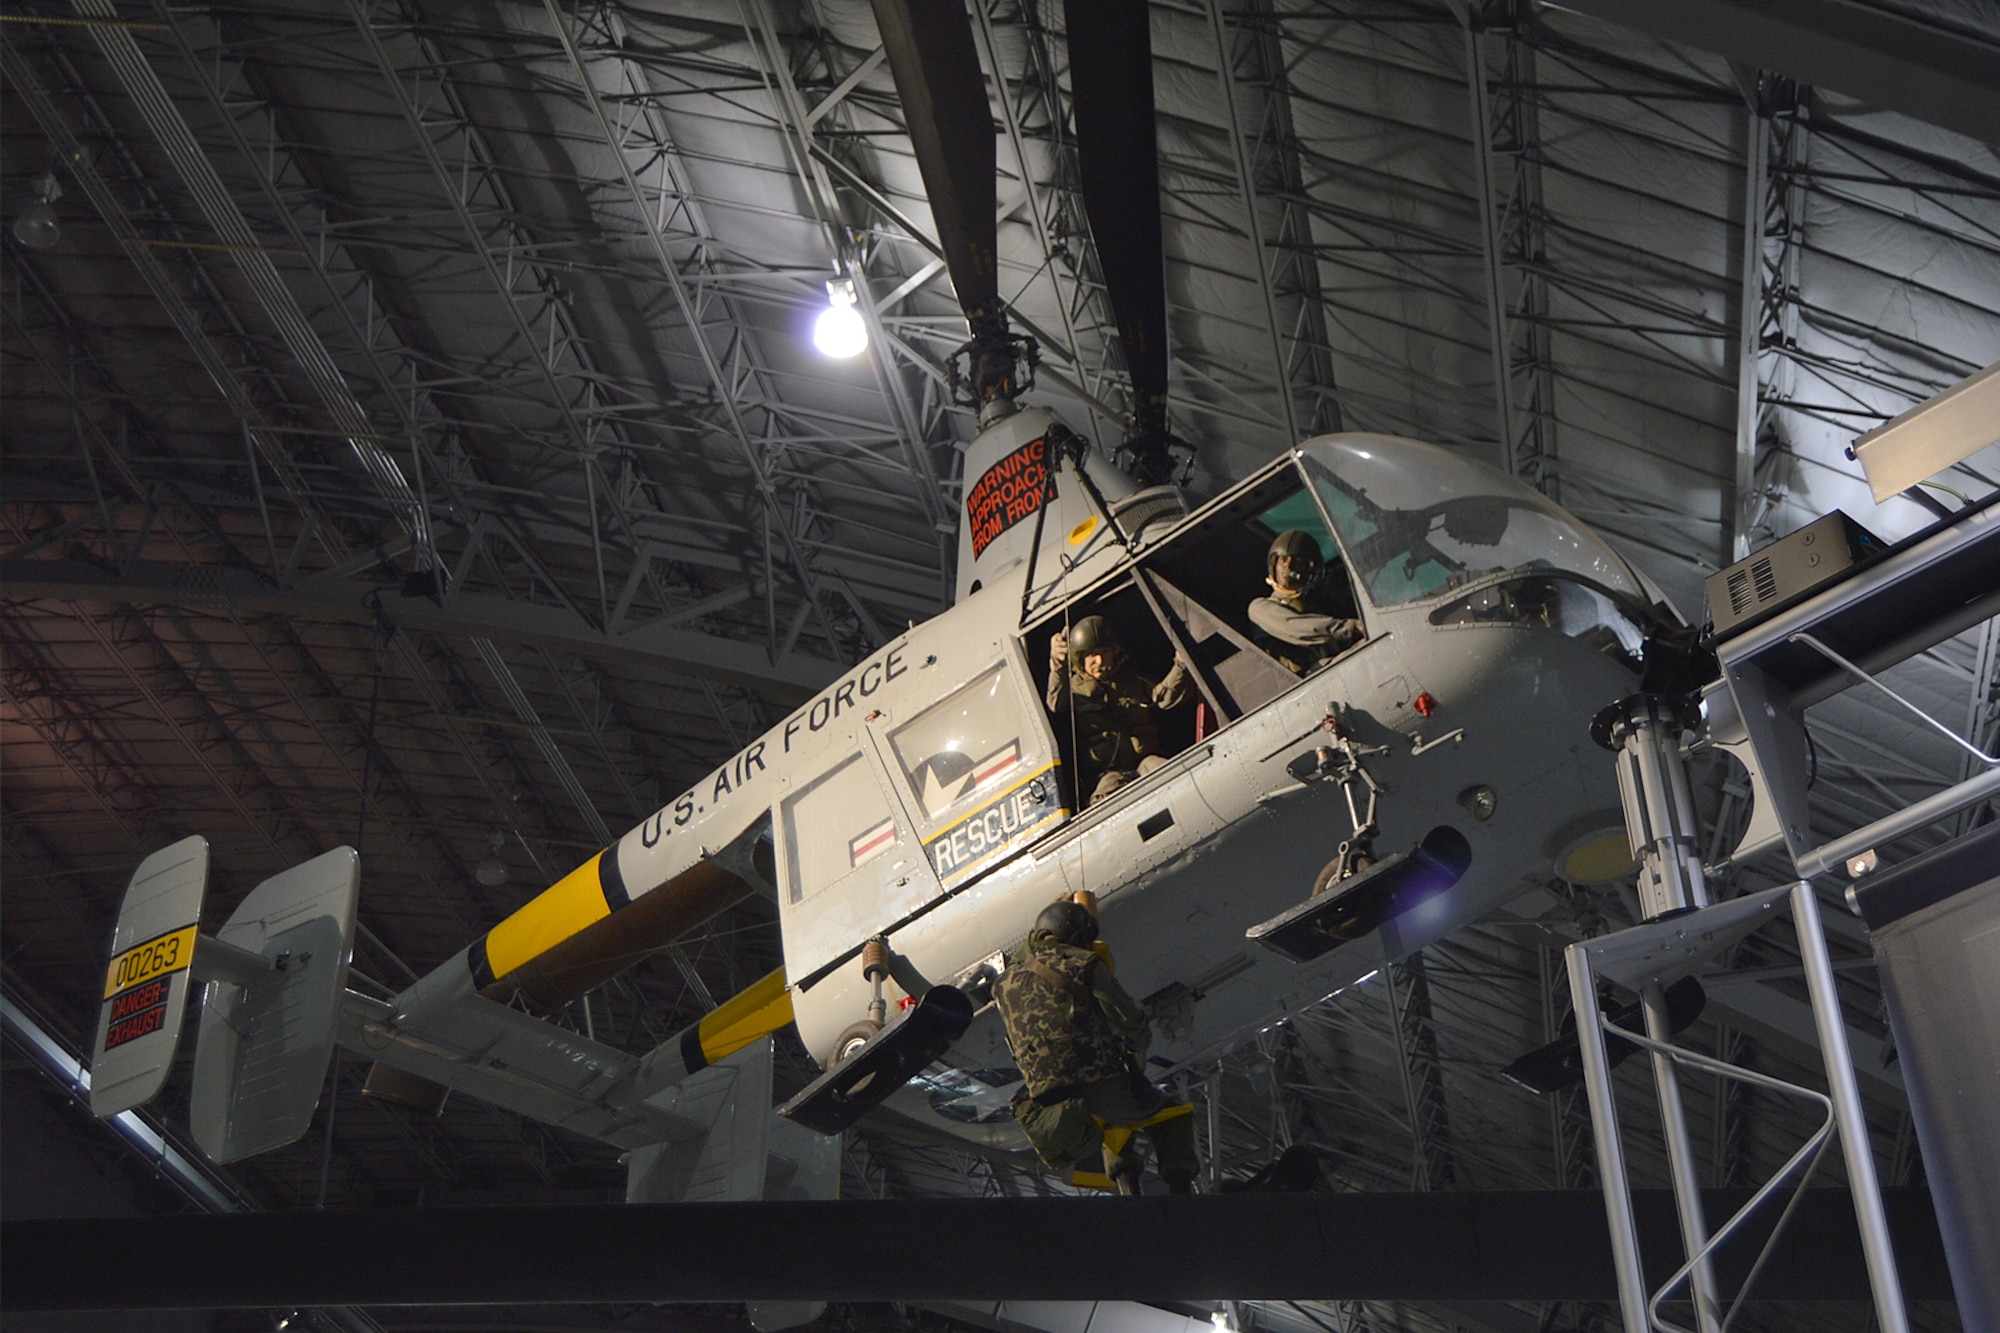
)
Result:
{"points": [[763, 1007], [550, 917]]}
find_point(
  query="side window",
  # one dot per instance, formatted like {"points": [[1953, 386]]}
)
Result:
{"points": [[978, 768], [963, 747], [1203, 583], [834, 825]]}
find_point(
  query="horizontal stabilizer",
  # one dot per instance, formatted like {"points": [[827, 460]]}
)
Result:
{"points": [[1352, 907], [853, 1087], [725, 1161], [267, 1023]]}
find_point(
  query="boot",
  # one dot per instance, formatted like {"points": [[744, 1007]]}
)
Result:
{"points": [[1123, 1171]]}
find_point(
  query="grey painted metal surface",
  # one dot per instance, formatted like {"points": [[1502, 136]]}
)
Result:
{"points": [[264, 1042]]}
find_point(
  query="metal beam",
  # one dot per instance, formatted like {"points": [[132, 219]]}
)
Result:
{"points": [[1410, 1019], [1507, 155], [1253, 225], [1768, 308], [1923, 70], [1459, 1245], [462, 614]]}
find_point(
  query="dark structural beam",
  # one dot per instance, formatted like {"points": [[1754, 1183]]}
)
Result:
{"points": [[1438, 1246], [1928, 72], [789, 679]]}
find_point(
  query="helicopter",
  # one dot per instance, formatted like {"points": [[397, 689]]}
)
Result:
{"points": [[911, 818]]}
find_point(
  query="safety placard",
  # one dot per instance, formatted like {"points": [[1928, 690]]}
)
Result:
{"points": [[1009, 491], [137, 1013]]}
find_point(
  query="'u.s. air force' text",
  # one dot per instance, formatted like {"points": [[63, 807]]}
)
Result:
{"points": [[988, 829], [836, 699]]}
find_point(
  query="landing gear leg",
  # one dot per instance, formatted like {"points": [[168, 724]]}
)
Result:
{"points": [[1355, 893], [1340, 759]]}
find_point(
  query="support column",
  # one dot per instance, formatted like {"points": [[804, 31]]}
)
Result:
{"points": [[1423, 1077], [1773, 201], [1848, 1116], [1645, 731], [1506, 157], [1604, 1132]]}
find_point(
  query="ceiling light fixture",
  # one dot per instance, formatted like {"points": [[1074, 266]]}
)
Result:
{"points": [[839, 332], [37, 226], [492, 872]]}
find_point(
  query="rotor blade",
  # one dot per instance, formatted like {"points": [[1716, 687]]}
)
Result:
{"points": [[1111, 86], [931, 56]]}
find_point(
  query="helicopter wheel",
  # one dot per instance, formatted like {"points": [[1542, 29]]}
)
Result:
{"points": [[1344, 866], [850, 1041]]}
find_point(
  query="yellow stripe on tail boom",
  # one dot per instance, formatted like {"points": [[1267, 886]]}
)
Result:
{"points": [[569, 905], [760, 1008]]}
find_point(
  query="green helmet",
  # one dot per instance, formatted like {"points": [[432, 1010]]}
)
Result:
{"points": [[1092, 634], [1068, 922], [1303, 550]]}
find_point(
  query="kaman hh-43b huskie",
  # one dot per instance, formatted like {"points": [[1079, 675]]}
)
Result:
{"points": [[911, 819]]}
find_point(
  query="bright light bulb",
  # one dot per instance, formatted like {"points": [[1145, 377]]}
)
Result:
{"points": [[839, 332]]}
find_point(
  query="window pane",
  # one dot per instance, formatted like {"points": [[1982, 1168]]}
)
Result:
{"points": [[1417, 520], [838, 823], [969, 745], [1297, 513]]}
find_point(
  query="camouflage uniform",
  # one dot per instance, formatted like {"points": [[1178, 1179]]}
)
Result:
{"points": [[1117, 724], [1079, 1039]]}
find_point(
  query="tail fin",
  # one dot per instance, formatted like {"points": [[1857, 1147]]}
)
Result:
{"points": [[146, 986]]}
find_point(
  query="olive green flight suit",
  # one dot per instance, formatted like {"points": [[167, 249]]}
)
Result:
{"points": [[1117, 719]]}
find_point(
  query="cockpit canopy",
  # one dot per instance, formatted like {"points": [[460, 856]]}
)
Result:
{"points": [[1417, 520]]}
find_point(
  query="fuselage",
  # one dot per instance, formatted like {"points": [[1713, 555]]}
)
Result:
{"points": [[931, 798]]}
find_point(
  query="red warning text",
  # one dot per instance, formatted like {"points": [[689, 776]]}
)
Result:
{"points": [[138, 1025], [132, 1001], [1007, 492]]}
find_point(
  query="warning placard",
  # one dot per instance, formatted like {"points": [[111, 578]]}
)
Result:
{"points": [[1007, 492], [137, 1013]]}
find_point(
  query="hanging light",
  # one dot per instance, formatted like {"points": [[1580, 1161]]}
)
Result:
{"points": [[492, 872], [37, 226], [839, 332]]}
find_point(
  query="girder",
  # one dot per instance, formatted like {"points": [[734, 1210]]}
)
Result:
{"points": [[1408, 987], [791, 677], [1931, 70], [1507, 152], [1773, 223]]}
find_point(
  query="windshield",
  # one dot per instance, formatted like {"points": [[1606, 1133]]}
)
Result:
{"points": [[1553, 603], [1417, 520]]}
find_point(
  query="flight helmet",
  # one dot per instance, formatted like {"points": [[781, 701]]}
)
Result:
{"points": [[1092, 634], [1068, 922], [1303, 550]]}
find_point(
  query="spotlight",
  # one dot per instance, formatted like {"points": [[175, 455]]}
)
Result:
{"points": [[37, 227], [492, 872], [839, 332]]}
